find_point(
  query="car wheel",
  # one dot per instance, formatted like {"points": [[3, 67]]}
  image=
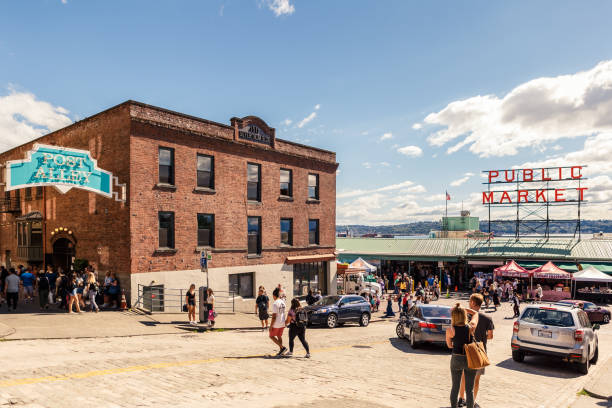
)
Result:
{"points": [[518, 356], [364, 320], [400, 331], [583, 368], [332, 320], [413, 342], [595, 356], [606, 319]]}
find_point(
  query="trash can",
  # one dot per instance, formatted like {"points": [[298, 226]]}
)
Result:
{"points": [[153, 298]]}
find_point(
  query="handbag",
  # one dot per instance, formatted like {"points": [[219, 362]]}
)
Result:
{"points": [[185, 307], [476, 354]]}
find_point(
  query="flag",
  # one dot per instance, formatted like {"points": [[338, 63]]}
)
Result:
{"points": [[447, 196]]}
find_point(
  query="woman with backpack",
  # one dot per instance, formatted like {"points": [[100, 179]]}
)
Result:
{"points": [[297, 319]]}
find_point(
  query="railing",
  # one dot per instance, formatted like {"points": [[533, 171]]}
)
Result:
{"points": [[9, 205], [157, 298], [30, 253]]}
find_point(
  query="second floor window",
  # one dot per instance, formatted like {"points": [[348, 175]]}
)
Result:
{"points": [[254, 235], [286, 226], [313, 186], [166, 165], [39, 192], [285, 183], [166, 229], [313, 232], [205, 171], [206, 230], [28, 193], [253, 182]]}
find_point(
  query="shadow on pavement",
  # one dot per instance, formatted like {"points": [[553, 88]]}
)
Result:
{"points": [[425, 348], [542, 365]]}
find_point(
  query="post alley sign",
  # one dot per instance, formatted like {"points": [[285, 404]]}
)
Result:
{"points": [[61, 167], [535, 185]]}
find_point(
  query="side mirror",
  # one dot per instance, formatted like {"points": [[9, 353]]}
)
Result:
{"points": [[596, 327], [340, 304]]}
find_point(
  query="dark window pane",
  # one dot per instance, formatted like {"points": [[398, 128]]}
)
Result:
{"points": [[166, 165], [28, 193], [313, 186], [205, 171], [254, 235], [166, 230], [165, 157], [242, 284], [253, 181], [285, 182], [206, 229], [313, 232], [286, 231], [39, 191], [253, 191]]}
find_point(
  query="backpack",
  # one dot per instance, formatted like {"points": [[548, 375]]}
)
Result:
{"points": [[301, 318]]}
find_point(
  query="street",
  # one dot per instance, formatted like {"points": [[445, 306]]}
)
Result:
{"points": [[350, 366]]}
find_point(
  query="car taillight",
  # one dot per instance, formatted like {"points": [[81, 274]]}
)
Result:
{"points": [[515, 329], [427, 325], [578, 335]]}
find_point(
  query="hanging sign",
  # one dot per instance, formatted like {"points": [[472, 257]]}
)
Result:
{"points": [[61, 167]]}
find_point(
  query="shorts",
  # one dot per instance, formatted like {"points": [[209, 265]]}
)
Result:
{"points": [[80, 291], [263, 315], [29, 290], [480, 371], [73, 292], [191, 303], [276, 331]]}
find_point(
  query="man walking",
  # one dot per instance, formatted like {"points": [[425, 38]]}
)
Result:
{"points": [[11, 289], [482, 332], [278, 321], [27, 279]]}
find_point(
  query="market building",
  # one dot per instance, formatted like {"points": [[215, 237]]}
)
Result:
{"points": [[141, 191]]}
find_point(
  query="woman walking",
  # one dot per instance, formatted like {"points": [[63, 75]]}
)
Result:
{"points": [[210, 306], [297, 327], [262, 304], [72, 293], [92, 290], [459, 334], [190, 302]]}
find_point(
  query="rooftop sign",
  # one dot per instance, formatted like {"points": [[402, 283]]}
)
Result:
{"points": [[61, 167]]}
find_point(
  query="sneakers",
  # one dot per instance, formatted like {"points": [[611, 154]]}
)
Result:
{"points": [[461, 402], [307, 355], [288, 354], [193, 323], [281, 351]]}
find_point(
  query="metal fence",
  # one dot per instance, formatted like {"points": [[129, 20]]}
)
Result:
{"points": [[157, 298]]}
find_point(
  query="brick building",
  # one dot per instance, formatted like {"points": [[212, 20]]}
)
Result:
{"points": [[263, 207]]}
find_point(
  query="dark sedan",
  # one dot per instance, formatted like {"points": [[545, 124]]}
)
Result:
{"points": [[425, 324], [597, 314], [332, 311]]}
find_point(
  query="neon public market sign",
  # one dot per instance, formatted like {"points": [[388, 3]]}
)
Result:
{"points": [[61, 167]]}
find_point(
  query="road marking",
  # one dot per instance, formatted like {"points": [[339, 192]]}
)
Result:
{"points": [[145, 367]]}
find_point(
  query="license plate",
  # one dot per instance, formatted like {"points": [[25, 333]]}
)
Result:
{"points": [[544, 333], [445, 326]]}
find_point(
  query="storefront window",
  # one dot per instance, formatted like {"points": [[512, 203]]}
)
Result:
{"points": [[242, 284], [309, 276]]}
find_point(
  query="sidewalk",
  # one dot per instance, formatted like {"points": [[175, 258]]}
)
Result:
{"points": [[601, 385]]}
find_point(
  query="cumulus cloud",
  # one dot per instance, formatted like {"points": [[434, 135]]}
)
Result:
{"points": [[410, 151], [307, 120], [23, 118], [367, 165], [386, 136], [417, 126], [287, 122], [533, 114], [317, 106], [281, 7]]}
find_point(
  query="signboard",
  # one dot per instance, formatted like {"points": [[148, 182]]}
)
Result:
{"points": [[254, 134], [203, 260], [61, 167]]}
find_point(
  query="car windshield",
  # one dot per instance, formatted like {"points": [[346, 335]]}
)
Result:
{"points": [[548, 317], [441, 312], [328, 301]]}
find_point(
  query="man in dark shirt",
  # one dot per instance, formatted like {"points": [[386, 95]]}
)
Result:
{"points": [[482, 332]]}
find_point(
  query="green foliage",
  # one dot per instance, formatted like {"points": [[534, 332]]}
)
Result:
{"points": [[80, 264]]}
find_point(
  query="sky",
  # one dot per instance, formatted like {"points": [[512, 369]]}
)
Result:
{"points": [[416, 98]]}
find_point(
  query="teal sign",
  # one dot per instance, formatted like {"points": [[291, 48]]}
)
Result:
{"points": [[60, 167]]}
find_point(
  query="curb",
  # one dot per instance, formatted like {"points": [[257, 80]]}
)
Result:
{"points": [[589, 386]]}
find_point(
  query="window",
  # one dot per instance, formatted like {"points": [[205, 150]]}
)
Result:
{"points": [[313, 232], [7, 195], [39, 192], [313, 186], [286, 188], [206, 230], [253, 182], [166, 229], [548, 317], [309, 276], [286, 226], [242, 284], [166, 165], [206, 171], [254, 235], [17, 196], [28, 193], [36, 234]]}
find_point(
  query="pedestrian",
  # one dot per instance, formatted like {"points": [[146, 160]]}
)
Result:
{"points": [[538, 293], [483, 331], [73, 297], [210, 306], [3, 274], [310, 299], [456, 337], [114, 289], [62, 289], [278, 321], [318, 296], [11, 289], [191, 304], [52, 277], [43, 284], [105, 290], [80, 289], [92, 290], [515, 304], [262, 305], [27, 280], [297, 319]]}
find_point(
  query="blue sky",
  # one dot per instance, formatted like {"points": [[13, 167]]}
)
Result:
{"points": [[357, 69]]}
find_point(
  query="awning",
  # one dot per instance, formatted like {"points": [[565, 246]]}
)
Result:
{"points": [[309, 258], [550, 271], [591, 274], [513, 270], [486, 263], [602, 267]]}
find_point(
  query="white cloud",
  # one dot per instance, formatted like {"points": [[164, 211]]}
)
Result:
{"points": [[435, 197], [367, 165], [287, 122], [317, 106], [385, 164], [386, 136], [64, 1], [417, 126], [410, 151], [458, 182], [533, 114], [24, 118], [280, 7], [557, 148], [307, 119], [406, 187]]}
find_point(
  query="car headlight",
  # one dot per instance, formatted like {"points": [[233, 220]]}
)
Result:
{"points": [[321, 311]]}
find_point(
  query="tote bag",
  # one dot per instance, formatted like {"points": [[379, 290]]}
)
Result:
{"points": [[476, 354]]}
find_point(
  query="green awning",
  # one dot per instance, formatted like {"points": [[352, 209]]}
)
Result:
{"points": [[601, 266]]}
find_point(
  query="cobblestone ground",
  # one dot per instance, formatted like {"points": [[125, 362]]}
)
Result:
{"points": [[350, 367]]}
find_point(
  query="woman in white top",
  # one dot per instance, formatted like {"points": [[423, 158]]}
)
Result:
{"points": [[210, 303]]}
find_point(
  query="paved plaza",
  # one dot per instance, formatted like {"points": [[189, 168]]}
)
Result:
{"points": [[350, 366]]}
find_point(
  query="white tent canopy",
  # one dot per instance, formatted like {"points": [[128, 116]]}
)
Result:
{"points": [[361, 264], [591, 274]]}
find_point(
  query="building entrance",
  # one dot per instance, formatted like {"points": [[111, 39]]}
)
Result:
{"points": [[63, 251]]}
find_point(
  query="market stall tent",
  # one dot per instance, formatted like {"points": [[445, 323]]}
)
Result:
{"points": [[359, 263], [513, 270], [591, 274], [550, 271]]}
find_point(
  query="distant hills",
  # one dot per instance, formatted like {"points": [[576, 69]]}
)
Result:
{"points": [[424, 227]]}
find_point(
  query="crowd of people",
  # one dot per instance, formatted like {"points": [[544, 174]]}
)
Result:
{"points": [[73, 291]]}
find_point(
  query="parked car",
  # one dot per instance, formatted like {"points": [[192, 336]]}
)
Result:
{"points": [[425, 323], [556, 330], [597, 314], [335, 310]]}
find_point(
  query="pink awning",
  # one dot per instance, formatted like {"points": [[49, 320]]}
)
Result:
{"points": [[513, 270], [550, 271]]}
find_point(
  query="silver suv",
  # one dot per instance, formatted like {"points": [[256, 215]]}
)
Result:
{"points": [[559, 331]]}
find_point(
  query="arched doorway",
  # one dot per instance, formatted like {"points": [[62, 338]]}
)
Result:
{"points": [[63, 251]]}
